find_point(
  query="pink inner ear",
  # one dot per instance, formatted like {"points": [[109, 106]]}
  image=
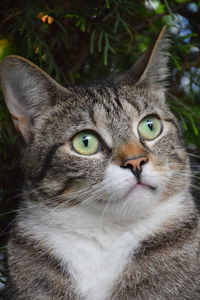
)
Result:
{"points": [[23, 126], [19, 114]]}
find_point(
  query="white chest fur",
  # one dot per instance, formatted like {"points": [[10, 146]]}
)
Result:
{"points": [[96, 261], [93, 253]]}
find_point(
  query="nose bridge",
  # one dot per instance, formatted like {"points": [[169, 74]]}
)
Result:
{"points": [[131, 152]]}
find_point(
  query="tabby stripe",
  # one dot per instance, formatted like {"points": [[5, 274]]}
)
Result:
{"points": [[92, 95], [109, 96], [67, 184], [175, 156], [103, 96], [117, 97], [48, 160], [134, 104], [176, 237], [38, 251]]}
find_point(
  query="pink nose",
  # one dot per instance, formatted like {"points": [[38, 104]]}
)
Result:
{"points": [[135, 164]]}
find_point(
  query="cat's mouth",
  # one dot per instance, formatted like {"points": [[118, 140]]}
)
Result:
{"points": [[141, 186]]}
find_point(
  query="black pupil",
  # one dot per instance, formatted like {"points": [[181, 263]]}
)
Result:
{"points": [[150, 124], [85, 141]]}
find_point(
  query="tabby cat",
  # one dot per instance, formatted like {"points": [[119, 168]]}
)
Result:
{"points": [[106, 211]]}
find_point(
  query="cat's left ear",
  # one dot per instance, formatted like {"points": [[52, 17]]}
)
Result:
{"points": [[28, 91], [151, 70]]}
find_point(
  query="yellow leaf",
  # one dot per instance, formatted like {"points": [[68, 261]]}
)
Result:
{"points": [[43, 19], [50, 20], [3, 45]]}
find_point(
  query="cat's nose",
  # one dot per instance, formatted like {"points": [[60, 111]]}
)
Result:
{"points": [[135, 163]]}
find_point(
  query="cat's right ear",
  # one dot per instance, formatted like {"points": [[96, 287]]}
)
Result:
{"points": [[28, 92], [151, 70]]}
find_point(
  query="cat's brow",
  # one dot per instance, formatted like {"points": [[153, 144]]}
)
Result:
{"points": [[113, 96], [99, 116], [107, 96]]}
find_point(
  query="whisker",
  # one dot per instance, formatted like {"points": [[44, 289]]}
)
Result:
{"points": [[103, 214], [4, 232], [193, 155]]}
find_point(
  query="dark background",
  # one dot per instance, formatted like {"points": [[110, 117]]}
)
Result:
{"points": [[76, 41]]}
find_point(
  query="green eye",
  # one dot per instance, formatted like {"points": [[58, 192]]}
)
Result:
{"points": [[86, 143], [149, 128]]}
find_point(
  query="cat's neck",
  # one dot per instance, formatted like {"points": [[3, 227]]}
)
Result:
{"points": [[83, 218]]}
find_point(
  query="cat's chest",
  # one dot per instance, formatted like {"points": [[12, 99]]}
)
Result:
{"points": [[94, 249], [95, 263]]}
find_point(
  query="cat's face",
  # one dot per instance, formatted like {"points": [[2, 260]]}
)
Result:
{"points": [[108, 146], [86, 148]]}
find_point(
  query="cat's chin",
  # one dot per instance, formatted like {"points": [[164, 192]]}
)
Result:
{"points": [[137, 202], [140, 196]]}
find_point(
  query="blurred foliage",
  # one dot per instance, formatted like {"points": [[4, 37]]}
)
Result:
{"points": [[76, 41]]}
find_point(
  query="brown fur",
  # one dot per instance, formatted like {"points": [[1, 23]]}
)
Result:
{"points": [[28, 256], [151, 274], [166, 264], [130, 150]]}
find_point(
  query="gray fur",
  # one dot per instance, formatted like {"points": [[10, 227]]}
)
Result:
{"points": [[167, 264]]}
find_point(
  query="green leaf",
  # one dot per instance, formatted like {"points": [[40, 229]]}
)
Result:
{"points": [[5, 48], [107, 4], [183, 121], [160, 9], [105, 57], [177, 62], [196, 132], [181, 1], [116, 26], [101, 36], [92, 37], [83, 25]]}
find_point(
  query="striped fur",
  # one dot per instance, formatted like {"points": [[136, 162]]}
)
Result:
{"points": [[86, 228]]}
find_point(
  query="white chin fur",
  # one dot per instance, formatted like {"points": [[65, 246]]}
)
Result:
{"points": [[123, 199]]}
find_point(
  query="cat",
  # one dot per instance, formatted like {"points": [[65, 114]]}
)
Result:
{"points": [[106, 210]]}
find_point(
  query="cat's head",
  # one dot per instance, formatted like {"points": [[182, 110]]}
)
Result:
{"points": [[114, 144]]}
